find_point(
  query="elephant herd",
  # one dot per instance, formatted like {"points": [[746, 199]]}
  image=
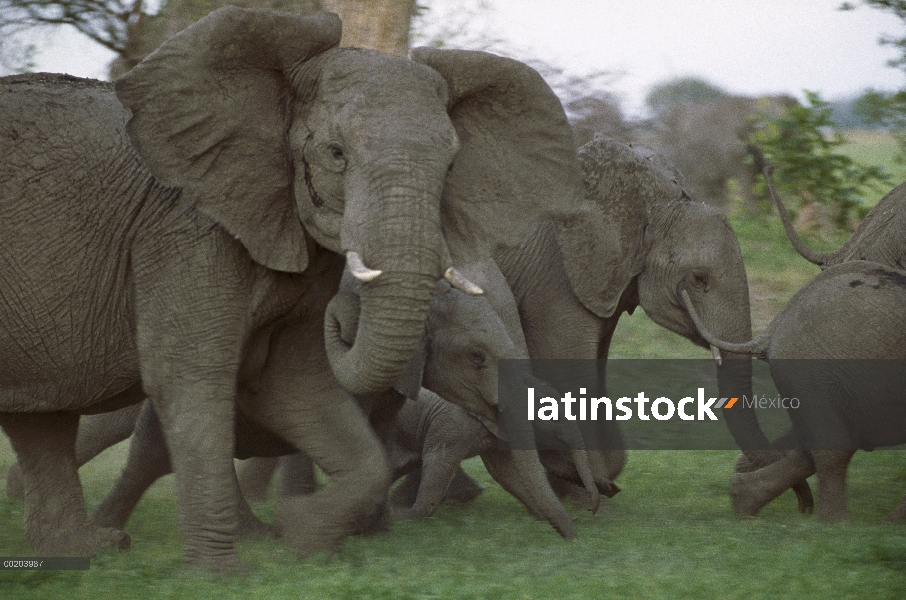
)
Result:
{"points": [[257, 243]]}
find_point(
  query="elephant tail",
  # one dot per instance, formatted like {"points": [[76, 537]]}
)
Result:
{"points": [[757, 347], [822, 259]]}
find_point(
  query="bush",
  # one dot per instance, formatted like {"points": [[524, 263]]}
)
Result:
{"points": [[802, 144]]}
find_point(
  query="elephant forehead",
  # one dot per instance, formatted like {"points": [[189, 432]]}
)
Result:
{"points": [[367, 76]]}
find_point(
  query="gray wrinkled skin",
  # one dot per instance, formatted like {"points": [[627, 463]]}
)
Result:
{"points": [[852, 310]]}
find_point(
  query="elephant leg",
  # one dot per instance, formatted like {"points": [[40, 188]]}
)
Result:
{"points": [[300, 400], [250, 525], [96, 434], [438, 471], [255, 476], [405, 493], [751, 491], [297, 475], [148, 461], [785, 441], [353, 459], [898, 515], [56, 523], [101, 431], [463, 489], [830, 465]]}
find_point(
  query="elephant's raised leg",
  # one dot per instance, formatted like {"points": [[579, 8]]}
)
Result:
{"points": [[463, 489], [353, 459], [753, 490], [55, 520], [830, 465], [300, 400]]}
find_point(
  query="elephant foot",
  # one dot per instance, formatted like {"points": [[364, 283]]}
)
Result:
{"points": [[374, 524], [463, 489], [804, 497], [310, 525], [578, 494], [403, 513], [746, 495], [254, 528], [82, 541], [15, 488]]}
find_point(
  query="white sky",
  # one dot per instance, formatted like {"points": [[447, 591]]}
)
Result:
{"points": [[745, 46]]}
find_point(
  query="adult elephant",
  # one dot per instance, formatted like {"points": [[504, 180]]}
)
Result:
{"points": [[644, 237], [709, 143], [256, 150]]}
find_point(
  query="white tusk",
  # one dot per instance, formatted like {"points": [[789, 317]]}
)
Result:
{"points": [[358, 269], [462, 284], [715, 352]]}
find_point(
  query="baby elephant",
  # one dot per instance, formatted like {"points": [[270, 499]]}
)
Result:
{"points": [[435, 436], [849, 322]]}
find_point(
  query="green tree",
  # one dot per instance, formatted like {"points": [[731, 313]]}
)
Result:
{"points": [[683, 90], [881, 108], [803, 145]]}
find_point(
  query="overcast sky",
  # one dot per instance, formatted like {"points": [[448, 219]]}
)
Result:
{"points": [[745, 46]]}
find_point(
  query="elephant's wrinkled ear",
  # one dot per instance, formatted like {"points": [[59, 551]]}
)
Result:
{"points": [[210, 114], [604, 249], [516, 163]]}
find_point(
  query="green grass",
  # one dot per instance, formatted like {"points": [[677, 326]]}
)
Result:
{"points": [[670, 533]]}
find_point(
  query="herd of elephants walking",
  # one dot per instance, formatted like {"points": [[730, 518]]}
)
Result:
{"points": [[257, 243]]}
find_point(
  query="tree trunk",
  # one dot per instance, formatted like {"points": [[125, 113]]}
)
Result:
{"points": [[381, 25]]}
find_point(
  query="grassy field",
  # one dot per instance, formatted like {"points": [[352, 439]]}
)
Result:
{"points": [[670, 533]]}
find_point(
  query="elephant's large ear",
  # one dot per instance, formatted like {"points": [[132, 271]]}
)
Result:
{"points": [[517, 160], [604, 249], [210, 114]]}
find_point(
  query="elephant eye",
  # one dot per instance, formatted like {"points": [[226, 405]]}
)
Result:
{"points": [[700, 281], [477, 358], [336, 152]]}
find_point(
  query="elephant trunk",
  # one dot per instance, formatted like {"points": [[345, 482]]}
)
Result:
{"points": [[520, 472], [734, 375], [392, 223]]}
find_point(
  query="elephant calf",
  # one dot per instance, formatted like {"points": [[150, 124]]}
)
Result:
{"points": [[848, 321]]}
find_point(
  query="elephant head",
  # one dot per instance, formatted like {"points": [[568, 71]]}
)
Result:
{"points": [[648, 239], [292, 144]]}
